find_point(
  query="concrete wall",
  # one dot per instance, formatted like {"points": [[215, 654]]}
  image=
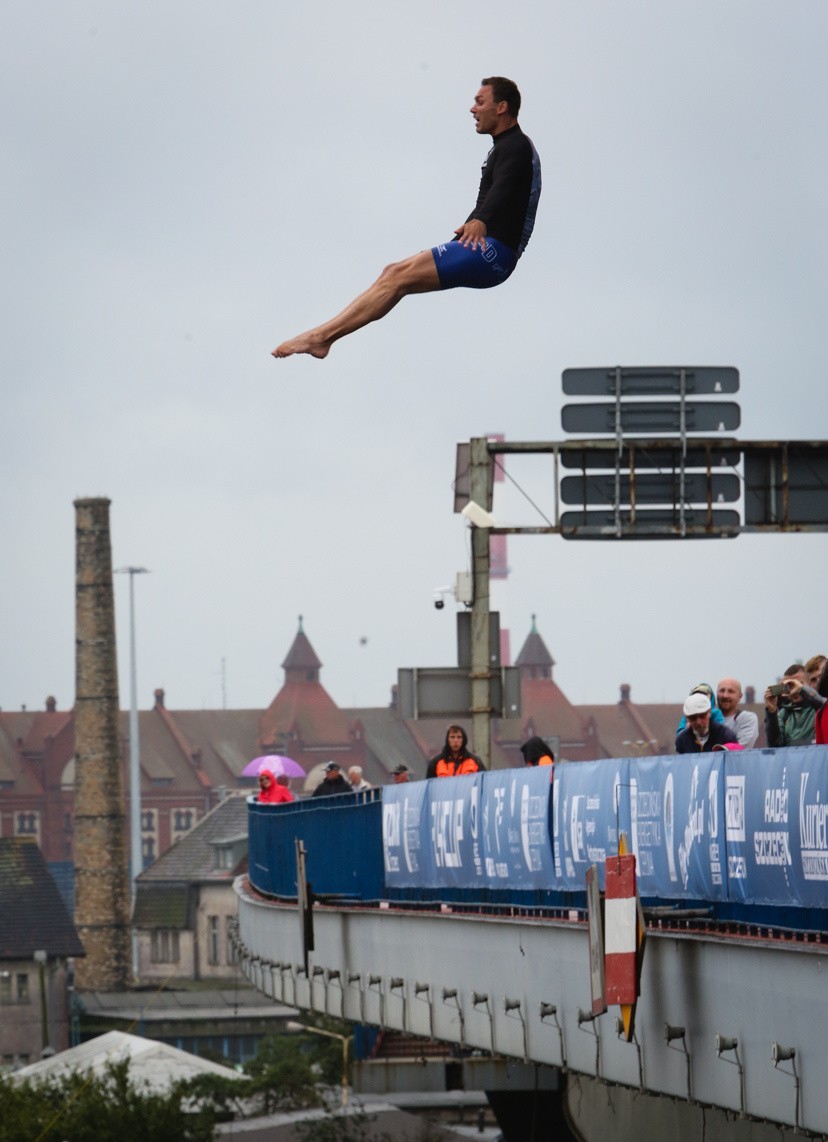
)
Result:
{"points": [[218, 901], [21, 1020]]}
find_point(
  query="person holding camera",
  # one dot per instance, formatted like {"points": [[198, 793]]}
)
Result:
{"points": [[790, 710], [813, 670], [822, 714]]}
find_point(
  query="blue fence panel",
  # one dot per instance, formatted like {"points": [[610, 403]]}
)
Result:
{"points": [[486, 831], [407, 852], [516, 828], [746, 832], [777, 826], [591, 805], [677, 826], [343, 842]]}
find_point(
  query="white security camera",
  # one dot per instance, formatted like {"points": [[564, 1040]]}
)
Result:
{"points": [[478, 516], [439, 597]]}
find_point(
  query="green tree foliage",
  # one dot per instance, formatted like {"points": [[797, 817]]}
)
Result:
{"points": [[356, 1126], [288, 1073], [224, 1097], [282, 1075], [97, 1108], [334, 1127], [325, 1053]]}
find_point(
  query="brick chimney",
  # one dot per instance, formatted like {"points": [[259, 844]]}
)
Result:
{"points": [[101, 878], [625, 692]]}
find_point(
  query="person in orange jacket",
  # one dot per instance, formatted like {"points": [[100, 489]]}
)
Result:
{"points": [[455, 760], [536, 752]]}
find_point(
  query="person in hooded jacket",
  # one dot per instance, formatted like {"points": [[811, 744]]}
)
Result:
{"points": [[716, 715], [273, 789], [455, 760], [536, 752]]}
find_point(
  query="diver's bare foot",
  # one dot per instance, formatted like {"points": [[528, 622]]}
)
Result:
{"points": [[310, 343]]}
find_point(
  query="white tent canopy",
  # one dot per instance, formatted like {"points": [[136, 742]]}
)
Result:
{"points": [[152, 1065]]}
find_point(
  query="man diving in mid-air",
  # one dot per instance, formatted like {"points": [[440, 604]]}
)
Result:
{"points": [[486, 247]]}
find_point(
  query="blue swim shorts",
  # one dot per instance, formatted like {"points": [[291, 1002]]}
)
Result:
{"points": [[459, 265]]}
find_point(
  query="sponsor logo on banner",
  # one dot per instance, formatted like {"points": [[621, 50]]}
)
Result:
{"points": [[669, 820], [447, 833], [411, 839], [735, 807], [594, 850], [646, 825], [391, 834], [773, 846], [576, 829], [474, 829], [556, 832], [714, 850], [694, 829], [474, 808], [526, 839], [713, 803], [497, 867], [813, 832]]}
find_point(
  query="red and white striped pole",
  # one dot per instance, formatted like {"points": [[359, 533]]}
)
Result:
{"points": [[621, 931]]}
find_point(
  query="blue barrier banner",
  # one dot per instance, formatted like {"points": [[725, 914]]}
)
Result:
{"points": [[431, 833], [454, 830], [591, 804], [487, 830], [516, 843], [677, 825], [406, 851], [777, 826]]}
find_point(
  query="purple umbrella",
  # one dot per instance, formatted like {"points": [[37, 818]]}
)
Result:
{"points": [[279, 766]]}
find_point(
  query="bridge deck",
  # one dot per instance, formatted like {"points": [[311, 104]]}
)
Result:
{"points": [[520, 986]]}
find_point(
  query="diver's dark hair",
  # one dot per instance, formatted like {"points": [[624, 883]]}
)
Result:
{"points": [[504, 91]]}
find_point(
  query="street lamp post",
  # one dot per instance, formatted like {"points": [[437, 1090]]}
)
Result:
{"points": [[135, 853], [40, 958], [344, 1039]]}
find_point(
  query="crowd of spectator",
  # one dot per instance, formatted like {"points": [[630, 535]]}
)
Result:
{"points": [[796, 713]]}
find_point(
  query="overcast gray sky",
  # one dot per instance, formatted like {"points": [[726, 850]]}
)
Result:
{"points": [[185, 184]]}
